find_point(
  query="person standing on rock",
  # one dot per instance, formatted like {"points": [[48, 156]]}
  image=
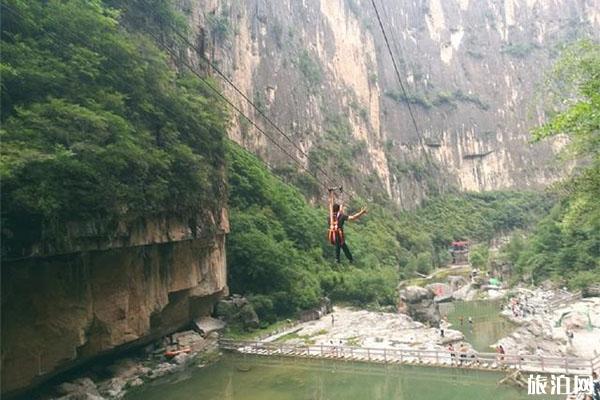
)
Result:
{"points": [[570, 336], [501, 352], [596, 385], [463, 353], [336, 221], [452, 353], [443, 325]]}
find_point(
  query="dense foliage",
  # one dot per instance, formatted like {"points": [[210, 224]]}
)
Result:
{"points": [[278, 255], [566, 244], [96, 125]]}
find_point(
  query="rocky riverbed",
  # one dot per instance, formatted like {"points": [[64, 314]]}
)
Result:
{"points": [[353, 327], [542, 326], [181, 350], [544, 323]]}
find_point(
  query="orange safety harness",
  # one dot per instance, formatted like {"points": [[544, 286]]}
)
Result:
{"points": [[335, 234]]}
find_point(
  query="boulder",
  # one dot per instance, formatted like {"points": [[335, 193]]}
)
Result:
{"points": [[325, 307], [466, 293], [124, 369], [66, 388], [113, 388], [225, 309], [456, 282], [237, 309], [81, 396], [418, 303], [136, 382], [162, 369], [189, 339], [592, 290], [415, 294], [82, 388], [207, 325], [248, 317], [180, 358]]}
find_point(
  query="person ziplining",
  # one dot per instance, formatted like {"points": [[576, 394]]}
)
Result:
{"points": [[336, 221]]}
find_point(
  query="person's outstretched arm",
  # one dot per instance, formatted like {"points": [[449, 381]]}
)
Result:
{"points": [[359, 214]]}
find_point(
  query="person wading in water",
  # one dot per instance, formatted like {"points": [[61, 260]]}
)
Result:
{"points": [[336, 221]]}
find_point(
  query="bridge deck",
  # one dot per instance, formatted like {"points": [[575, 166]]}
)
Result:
{"points": [[432, 358]]}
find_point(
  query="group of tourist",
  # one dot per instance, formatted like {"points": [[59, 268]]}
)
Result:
{"points": [[464, 354], [520, 307]]}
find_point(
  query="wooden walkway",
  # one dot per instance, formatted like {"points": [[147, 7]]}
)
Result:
{"points": [[431, 358]]}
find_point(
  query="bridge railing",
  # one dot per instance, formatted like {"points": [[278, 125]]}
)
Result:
{"points": [[532, 363]]}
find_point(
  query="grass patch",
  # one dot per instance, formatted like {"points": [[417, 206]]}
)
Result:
{"points": [[237, 333], [294, 335]]}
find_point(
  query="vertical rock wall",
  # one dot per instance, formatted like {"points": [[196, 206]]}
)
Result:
{"points": [[59, 310], [473, 72]]}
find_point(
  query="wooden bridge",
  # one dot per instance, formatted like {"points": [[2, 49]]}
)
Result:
{"points": [[432, 358]]}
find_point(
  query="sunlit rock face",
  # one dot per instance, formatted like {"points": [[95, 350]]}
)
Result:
{"points": [[101, 295], [472, 72]]}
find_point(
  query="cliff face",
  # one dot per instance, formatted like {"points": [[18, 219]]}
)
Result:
{"points": [[321, 71], [59, 310]]}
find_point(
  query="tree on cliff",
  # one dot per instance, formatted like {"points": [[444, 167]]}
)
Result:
{"points": [[566, 244], [96, 125]]}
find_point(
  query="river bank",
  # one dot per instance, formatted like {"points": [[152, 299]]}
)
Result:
{"points": [[543, 324], [363, 328], [540, 330], [173, 354]]}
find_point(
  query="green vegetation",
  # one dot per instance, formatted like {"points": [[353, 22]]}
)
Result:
{"points": [[412, 98], [265, 329], [277, 30], [373, 78], [338, 146], [362, 112], [438, 99], [278, 255], [219, 26], [311, 69], [469, 98], [96, 126], [479, 256], [277, 252], [565, 245]]}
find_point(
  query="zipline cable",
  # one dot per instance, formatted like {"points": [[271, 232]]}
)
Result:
{"points": [[387, 43], [207, 84], [216, 91], [236, 108], [241, 93]]}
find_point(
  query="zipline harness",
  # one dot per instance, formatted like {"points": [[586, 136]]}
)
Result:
{"points": [[334, 234]]}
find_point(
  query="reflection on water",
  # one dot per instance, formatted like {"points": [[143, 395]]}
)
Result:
{"points": [[237, 377], [488, 325]]}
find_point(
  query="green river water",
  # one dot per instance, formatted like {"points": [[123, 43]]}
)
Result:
{"points": [[237, 377], [488, 325]]}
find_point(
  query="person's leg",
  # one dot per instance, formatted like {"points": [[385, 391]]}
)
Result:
{"points": [[347, 252], [337, 248]]}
